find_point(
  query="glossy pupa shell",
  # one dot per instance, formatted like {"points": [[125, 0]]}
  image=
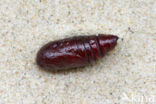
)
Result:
{"points": [[74, 52]]}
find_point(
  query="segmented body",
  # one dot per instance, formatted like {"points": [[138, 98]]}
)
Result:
{"points": [[75, 51]]}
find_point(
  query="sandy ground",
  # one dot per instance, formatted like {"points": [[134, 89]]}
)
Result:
{"points": [[126, 75]]}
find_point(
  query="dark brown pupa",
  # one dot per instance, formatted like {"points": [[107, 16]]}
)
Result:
{"points": [[75, 51]]}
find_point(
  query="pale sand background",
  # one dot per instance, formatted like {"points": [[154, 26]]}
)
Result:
{"points": [[128, 71]]}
